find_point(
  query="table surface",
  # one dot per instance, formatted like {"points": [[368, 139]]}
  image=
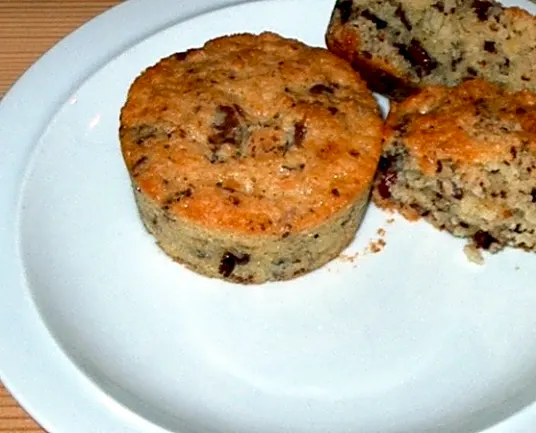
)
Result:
{"points": [[28, 28]]}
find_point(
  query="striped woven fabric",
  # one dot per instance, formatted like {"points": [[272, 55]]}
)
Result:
{"points": [[12, 418], [28, 28]]}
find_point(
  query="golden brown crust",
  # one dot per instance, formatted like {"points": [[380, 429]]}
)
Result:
{"points": [[252, 134], [474, 123]]}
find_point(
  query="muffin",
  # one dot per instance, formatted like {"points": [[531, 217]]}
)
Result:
{"points": [[251, 158], [464, 159], [401, 46]]}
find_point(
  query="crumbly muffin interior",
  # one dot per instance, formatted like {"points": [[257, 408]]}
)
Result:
{"points": [[465, 160], [445, 41]]}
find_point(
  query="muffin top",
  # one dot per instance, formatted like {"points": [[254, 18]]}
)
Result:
{"points": [[474, 123], [251, 134]]}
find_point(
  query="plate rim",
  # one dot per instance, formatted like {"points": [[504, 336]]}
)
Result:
{"points": [[26, 344]]}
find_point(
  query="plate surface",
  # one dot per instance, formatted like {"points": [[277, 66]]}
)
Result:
{"points": [[101, 332]]}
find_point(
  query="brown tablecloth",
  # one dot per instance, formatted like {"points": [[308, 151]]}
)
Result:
{"points": [[28, 28]]}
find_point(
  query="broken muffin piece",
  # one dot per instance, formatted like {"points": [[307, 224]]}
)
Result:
{"points": [[399, 46], [464, 159]]}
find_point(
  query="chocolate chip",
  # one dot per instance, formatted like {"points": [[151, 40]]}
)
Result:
{"points": [[383, 82], [186, 193], [180, 56], [489, 46], [402, 125], [440, 6], [335, 192], [472, 71], [178, 196], [229, 261], [320, 88], [419, 57], [464, 225], [143, 133], [387, 176], [333, 110], [455, 62], [384, 185], [297, 167], [482, 9], [354, 153], [244, 280], [300, 130], [200, 254], [403, 17], [533, 195], [142, 160], [378, 22], [457, 192], [299, 272], [521, 110], [385, 163], [483, 239], [419, 209], [422, 62], [345, 9], [295, 138], [225, 125], [347, 219]]}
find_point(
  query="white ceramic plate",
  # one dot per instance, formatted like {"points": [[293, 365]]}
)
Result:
{"points": [[101, 332]]}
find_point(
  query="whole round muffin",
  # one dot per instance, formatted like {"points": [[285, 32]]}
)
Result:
{"points": [[464, 158], [252, 157]]}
